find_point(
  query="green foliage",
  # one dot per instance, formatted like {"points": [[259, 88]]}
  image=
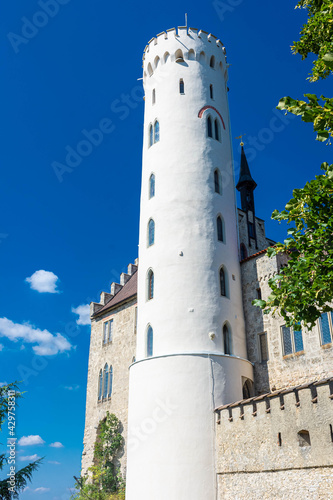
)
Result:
{"points": [[317, 37], [312, 111], [304, 286], [24, 475], [105, 481]]}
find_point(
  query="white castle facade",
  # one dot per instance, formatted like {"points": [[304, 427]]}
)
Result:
{"points": [[178, 352]]}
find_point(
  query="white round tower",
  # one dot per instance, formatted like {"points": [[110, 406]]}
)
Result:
{"points": [[191, 346]]}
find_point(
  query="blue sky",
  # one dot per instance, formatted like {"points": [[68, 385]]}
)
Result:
{"points": [[63, 78]]}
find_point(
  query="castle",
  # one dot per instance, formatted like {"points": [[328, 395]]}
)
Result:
{"points": [[216, 400]]}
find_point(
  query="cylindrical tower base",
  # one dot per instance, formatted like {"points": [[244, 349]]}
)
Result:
{"points": [[171, 443]]}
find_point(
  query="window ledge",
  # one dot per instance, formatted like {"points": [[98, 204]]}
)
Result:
{"points": [[326, 346], [293, 355], [105, 344]]}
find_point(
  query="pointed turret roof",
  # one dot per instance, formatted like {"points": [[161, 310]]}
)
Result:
{"points": [[245, 177]]}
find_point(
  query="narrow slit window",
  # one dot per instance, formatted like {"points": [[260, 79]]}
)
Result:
{"points": [[110, 330], [154, 96], [150, 341], [100, 384], [222, 282], [212, 62], [243, 251], [209, 127], [151, 135], [211, 92], [263, 347], [181, 86], [217, 182], [219, 224], [217, 130], [151, 232], [150, 285], [106, 381], [156, 131], [105, 333], [226, 340], [110, 381], [152, 186]]}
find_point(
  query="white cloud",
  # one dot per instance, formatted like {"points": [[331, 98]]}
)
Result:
{"points": [[56, 445], [2, 384], [43, 281], [30, 440], [47, 344], [30, 458], [72, 387], [1, 347], [54, 462], [41, 490], [83, 312]]}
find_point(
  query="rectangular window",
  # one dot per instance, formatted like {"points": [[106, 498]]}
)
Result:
{"points": [[292, 340], [263, 347], [259, 293], [110, 330], [251, 229], [326, 328], [107, 332]]}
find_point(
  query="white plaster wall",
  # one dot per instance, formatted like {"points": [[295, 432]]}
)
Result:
{"points": [[175, 459], [185, 208], [171, 442]]}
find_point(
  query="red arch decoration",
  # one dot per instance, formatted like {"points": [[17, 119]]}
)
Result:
{"points": [[202, 110]]}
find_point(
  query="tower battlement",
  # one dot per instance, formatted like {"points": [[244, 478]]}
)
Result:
{"points": [[182, 44]]}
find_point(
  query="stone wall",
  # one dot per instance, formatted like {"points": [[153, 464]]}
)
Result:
{"points": [[119, 353], [262, 241], [313, 363], [260, 453]]}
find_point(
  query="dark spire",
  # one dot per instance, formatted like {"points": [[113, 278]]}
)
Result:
{"points": [[245, 177], [246, 185]]}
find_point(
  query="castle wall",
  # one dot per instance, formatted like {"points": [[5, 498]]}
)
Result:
{"points": [[119, 353], [313, 363], [261, 455], [262, 241]]}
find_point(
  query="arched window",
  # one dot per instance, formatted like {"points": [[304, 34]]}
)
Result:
{"points": [[152, 186], [217, 130], [153, 98], [181, 86], [212, 62], [211, 91], [247, 389], [202, 57], [179, 56], [217, 182], [150, 69], [100, 384], [150, 341], [191, 55], [223, 285], [150, 285], [151, 232], [110, 381], [105, 381], [156, 131], [151, 135], [219, 225], [226, 340], [166, 57], [156, 62], [209, 127], [243, 251]]}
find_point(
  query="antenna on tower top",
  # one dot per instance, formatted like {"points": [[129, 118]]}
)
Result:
{"points": [[186, 20]]}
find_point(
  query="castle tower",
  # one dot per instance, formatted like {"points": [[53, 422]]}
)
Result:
{"points": [[246, 185], [191, 348]]}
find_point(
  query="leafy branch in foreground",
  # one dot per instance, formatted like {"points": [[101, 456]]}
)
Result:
{"points": [[24, 475], [317, 37], [304, 288]]}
